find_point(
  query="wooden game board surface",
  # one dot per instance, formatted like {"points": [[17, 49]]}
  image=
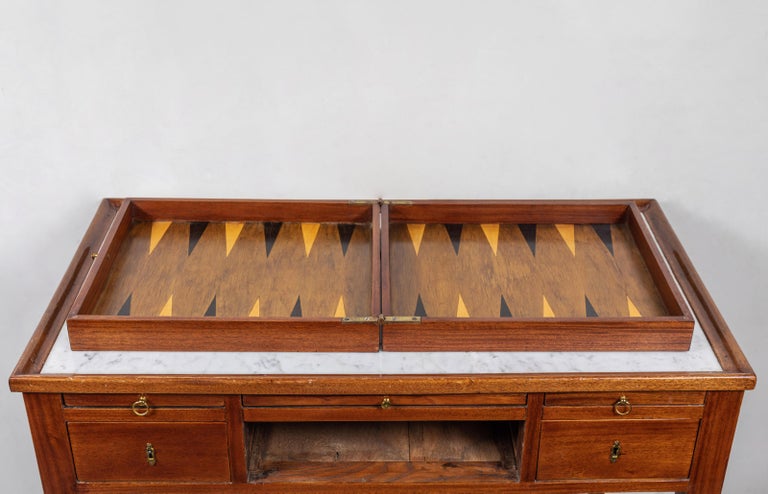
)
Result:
{"points": [[520, 271], [240, 269]]}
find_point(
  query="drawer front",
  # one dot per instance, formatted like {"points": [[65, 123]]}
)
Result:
{"points": [[112, 451], [626, 449], [639, 398], [377, 400], [619, 406], [384, 407], [152, 401]]}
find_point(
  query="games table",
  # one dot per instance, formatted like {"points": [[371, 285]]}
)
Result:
{"points": [[271, 346]]}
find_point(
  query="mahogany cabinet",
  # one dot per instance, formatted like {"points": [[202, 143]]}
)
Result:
{"points": [[268, 346]]}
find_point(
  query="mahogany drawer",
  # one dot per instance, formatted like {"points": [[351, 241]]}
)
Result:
{"points": [[610, 449], [143, 408], [153, 400], [635, 405], [384, 407], [376, 400], [182, 451]]}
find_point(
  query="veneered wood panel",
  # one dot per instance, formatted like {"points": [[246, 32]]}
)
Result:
{"points": [[153, 400], [649, 449], [635, 397], [116, 451], [376, 400]]}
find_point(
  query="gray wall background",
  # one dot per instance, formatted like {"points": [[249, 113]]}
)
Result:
{"points": [[395, 99]]}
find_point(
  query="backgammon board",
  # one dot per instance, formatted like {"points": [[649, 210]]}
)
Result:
{"points": [[378, 275]]}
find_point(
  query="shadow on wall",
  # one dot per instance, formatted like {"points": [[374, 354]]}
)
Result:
{"points": [[734, 268]]}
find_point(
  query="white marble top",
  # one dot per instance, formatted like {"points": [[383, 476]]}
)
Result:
{"points": [[62, 360]]}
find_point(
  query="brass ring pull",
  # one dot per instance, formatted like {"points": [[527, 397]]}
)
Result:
{"points": [[140, 407], [622, 406], [386, 403]]}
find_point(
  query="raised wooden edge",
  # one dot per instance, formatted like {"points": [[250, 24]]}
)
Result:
{"points": [[670, 294], [554, 334], [189, 209], [91, 333], [723, 343], [33, 357], [506, 211]]}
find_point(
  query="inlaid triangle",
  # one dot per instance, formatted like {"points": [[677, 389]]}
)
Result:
{"points": [[454, 231], [255, 310], [567, 232], [125, 310], [416, 231], [296, 312], [196, 229], [529, 233], [158, 230], [591, 312], [491, 232], [504, 312], [603, 231], [633, 312], [232, 232], [420, 312], [167, 309], [547, 312], [211, 311], [271, 229], [309, 232], [345, 235], [340, 311], [461, 309]]}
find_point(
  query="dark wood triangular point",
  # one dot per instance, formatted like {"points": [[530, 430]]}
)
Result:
{"points": [[603, 231], [504, 312], [271, 229], [296, 312], [196, 229], [420, 312], [345, 235], [211, 311], [529, 233], [454, 231], [591, 312], [125, 310]]}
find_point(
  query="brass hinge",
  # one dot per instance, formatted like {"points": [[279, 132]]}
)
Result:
{"points": [[396, 202], [360, 319], [412, 319], [381, 319]]}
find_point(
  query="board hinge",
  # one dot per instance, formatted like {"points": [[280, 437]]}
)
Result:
{"points": [[381, 319]]}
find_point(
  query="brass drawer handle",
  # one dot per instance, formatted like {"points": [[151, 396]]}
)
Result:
{"points": [[150, 452], [622, 406], [140, 407], [615, 451], [386, 403]]}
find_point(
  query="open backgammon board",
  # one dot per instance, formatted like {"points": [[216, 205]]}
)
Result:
{"points": [[365, 276]]}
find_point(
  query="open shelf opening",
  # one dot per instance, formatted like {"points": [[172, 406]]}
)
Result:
{"points": [[426, 452]]}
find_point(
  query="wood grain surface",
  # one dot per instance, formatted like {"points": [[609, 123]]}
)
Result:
{"points": [[240, 269]]}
